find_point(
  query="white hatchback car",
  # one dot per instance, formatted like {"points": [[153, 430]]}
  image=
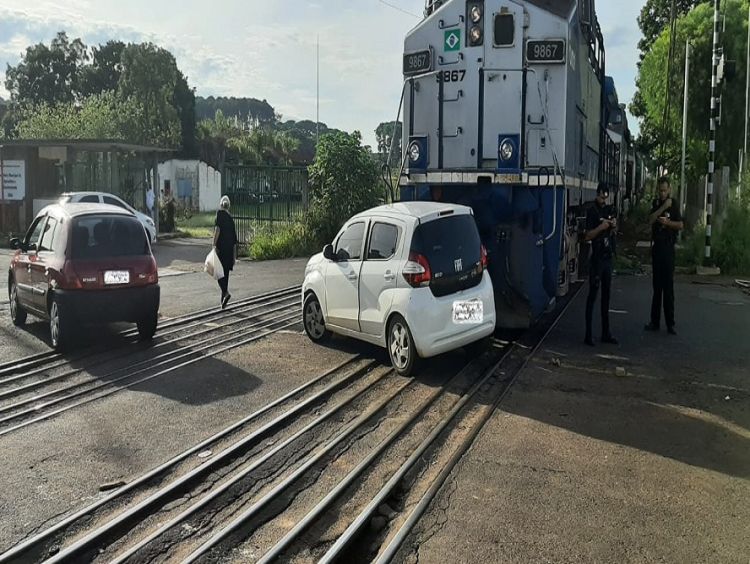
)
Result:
{"points": [[111, 199], [410, 277]]}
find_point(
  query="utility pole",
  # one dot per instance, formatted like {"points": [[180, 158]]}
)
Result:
{"points": [[668, 91], [712, 133], [683, 185], [2, 190], [747, 100], [317, 96]]}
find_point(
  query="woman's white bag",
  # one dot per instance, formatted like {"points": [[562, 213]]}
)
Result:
{"points": [[213, 266]]}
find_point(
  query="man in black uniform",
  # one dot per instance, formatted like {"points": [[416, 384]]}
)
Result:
{"points": [[601, 226], [666, 221]]}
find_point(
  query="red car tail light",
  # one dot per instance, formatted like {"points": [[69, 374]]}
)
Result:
{"points": [[484, 258], [152, 271], [70, 279], [417, 271]]}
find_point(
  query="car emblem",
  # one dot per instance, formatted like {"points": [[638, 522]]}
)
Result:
{"points": [[458, 265]]}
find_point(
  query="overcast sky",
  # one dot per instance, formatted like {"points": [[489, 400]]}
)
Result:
{"points": [[266, 48]]}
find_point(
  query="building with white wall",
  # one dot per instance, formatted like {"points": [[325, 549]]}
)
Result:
{"points": [[192, 182]]}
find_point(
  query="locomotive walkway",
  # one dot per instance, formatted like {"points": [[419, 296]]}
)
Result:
{"points": [[634, 453]]}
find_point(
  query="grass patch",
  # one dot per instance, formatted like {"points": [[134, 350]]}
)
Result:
{"points": [[196, 232], [279, 243], [200, 226]]}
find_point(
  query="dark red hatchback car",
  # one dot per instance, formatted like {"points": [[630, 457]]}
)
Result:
{"points": [[84, 263]]}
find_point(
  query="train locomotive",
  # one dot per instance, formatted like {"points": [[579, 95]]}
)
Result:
{"points": [[506, 110]]}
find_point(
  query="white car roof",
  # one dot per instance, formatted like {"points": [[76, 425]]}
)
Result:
{"points": [[89, 194], [423, 211]]}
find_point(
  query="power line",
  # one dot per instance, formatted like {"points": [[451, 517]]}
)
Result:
{"points": [[408, 13]]}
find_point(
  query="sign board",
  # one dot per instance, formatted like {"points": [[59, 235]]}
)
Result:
{"points": [[14, 181], [417, 62], [547, 51], [452, 41]]}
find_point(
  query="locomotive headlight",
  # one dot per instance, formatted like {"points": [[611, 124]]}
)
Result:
{"points": [[414, 152], [475, 35], [475, 14], [506, 150]]}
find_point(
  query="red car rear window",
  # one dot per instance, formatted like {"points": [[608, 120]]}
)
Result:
{"points": [[103, 236]]}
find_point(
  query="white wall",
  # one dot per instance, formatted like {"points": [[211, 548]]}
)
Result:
{"points": [[209, 181], [206, 194]]}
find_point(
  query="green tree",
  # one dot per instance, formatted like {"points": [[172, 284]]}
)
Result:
{"points": [[102, 116], [343, 182], [105, 70], [654, 19], [213, 137], [150, 74], [697, 26], [384, 135], [48, 75]]}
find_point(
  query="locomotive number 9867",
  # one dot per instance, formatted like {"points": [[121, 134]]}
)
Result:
{"points": [[418, 62], [550, 51]]}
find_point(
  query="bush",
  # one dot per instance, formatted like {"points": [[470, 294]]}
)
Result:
{"points": [[693, 248], [293, 241], [732, 249], [344, 181]]}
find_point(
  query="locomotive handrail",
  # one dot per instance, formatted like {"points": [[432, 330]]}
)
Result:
{"points": [[459, 131], [459, 95], [393, 135], [441, 60]]}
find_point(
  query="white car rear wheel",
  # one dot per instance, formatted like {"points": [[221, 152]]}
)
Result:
{"points": [[401, 346]]}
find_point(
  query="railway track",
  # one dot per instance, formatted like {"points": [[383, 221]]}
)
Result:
{"points": [[55, 387], [51, 359], [339, 470]]}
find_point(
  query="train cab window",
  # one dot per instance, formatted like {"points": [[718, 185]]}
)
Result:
{"points": [[505, 29]]}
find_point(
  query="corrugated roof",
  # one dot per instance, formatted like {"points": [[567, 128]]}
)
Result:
{"points": [[87, 145]]}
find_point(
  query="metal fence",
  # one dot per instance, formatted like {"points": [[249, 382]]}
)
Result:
{"points": [[264, 196]]}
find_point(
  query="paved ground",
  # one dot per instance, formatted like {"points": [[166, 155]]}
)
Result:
{"points": [[582, 465], [184, 288]]}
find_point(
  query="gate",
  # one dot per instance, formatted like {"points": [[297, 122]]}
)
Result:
{"points": [[264, 196]]}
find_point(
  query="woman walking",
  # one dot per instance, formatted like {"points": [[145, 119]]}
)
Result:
{"points": [[225, 243]]}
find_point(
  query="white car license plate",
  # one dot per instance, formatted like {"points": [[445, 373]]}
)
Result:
{"points": [[112, 277], [468, 312]]}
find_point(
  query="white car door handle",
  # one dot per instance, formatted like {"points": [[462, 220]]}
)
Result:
{"points": [[389, 276], [352, 276]]}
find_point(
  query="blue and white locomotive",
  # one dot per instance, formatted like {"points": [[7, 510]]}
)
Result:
{"points": [[504, 111]]}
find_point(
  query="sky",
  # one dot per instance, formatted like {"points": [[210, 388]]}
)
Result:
{"points": [[266, 49]]}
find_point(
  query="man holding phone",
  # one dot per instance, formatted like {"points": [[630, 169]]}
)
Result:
{"points": [[601, 227], [666, 222]]}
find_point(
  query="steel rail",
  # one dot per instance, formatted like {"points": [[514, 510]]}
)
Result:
{"points": [[77, 549], [256, 507], [50, 379], [146, 364], [37, 540], [282, 319], [216, 493], [387, 554], [316, 512], [98, 350]]}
